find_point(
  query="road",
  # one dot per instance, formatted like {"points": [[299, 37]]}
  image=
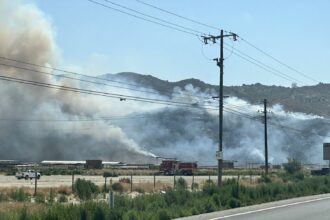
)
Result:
{"points": [[304, 208]]}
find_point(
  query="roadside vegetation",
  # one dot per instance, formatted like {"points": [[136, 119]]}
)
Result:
{"points": [[182, 200]]}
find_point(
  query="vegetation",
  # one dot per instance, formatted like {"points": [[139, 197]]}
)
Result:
{"points": [[293, 166], [118, 187], [109, 174], [85, 189], [57, 171], [172, 203]]}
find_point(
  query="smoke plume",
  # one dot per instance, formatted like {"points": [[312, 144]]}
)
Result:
{"points": [[47, 124]]}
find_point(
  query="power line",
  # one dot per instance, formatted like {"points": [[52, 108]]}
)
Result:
{"points": [[92, 77], [104, 94], [278, 61], [276, 124], [97, 83], [109, 118], [244, 40], [260, 66], [179, 16], [203, 24], [153, 17], [271, 69], [141, 18], [65, 88]]}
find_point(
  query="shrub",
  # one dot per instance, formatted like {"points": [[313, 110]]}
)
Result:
{"points": [[264, 179], [131, 215], [64, 190], [118, 187], [216, 200], [85, 189], [99, 213], [62, 199], [293, 166], [233, 203], [210, 188], [3, 197], [125, 180], [181, 183], [209, 206], [139, 190], [40, 197], [51, 197], [163, 215], [19, 195], [194, 186], [109, 174], [23, 214]]}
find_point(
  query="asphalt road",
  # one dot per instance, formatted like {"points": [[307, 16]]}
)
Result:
{"points": [[304, 208]]}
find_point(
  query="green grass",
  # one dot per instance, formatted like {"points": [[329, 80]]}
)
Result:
{"points": [[177, 202]]}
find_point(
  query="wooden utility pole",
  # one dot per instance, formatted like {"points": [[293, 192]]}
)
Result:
{"points": [[266, 141], [213, 39], [35, 181]]}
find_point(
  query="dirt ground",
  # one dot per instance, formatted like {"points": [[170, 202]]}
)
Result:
{"points": [[66, 180]]}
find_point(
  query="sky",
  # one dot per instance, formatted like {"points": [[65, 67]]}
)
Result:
{"points": [[94, 40]]}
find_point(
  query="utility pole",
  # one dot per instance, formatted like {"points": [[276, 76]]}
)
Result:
{"points": [[35, 180], [213, 39], [266, 141]]}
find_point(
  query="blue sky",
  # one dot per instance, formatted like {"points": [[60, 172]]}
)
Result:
{"points": [[99, 40]]}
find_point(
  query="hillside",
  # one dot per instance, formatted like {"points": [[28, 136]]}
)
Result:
{"points": [[307, 99]]}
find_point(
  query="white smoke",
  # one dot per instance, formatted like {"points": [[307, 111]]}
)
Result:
{"points": [[184, 133], [27, 35]]}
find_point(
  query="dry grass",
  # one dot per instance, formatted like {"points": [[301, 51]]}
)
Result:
{"points": [[146, 187], [32, 207], [66, 190], [123, 172]]}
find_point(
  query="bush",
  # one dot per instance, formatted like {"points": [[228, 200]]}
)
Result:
{"points": [[64, 190], [125, 180], [194, 186], [264, 179], [163, 215], [181, 184], [3, 197], [209, 206], [139, 190], [85, 189], [109, 174], [19, 195], [40, 197], [23, 214], [216, 200], [293, 166], [210, 188], [233, 203], [62, 199], [51, 197], [131, 215], [118, 187]]}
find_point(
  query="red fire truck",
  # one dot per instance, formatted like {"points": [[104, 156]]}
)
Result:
{"points": [[171, 167]]}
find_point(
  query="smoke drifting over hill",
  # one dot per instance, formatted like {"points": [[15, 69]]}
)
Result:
{"points": [[39, 123], [27, 35]]}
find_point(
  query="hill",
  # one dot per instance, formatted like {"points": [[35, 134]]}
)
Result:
{"points": [[306, 99]]}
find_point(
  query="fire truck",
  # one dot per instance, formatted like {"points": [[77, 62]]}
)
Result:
{"points": [[176, 167]]}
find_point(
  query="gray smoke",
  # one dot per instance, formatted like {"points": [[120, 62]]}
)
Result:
{"points": [[27, 35], [184, 133], [193, 135]]}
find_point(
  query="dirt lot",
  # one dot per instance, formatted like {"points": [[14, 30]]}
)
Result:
{"points": [[61, 180]]}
